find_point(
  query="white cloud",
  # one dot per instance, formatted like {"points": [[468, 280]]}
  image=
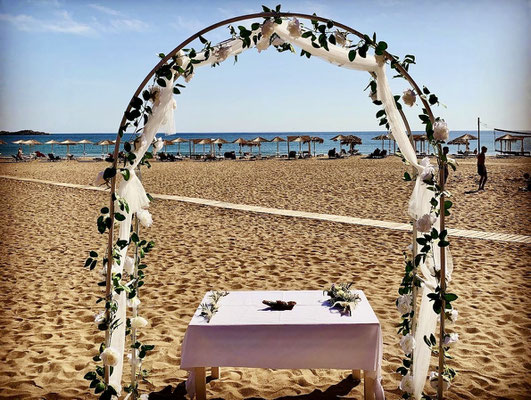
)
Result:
{"points": [[64, 23], [122, 24], [105, 10]]}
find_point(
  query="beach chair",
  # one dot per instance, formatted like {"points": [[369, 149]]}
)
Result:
{"points": [[292, 154], [51, 157]]}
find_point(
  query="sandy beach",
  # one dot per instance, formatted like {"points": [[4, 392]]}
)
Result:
{"points": [[48, 300]]}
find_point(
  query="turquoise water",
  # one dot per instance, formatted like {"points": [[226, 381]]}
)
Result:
{"points": [[487, 139]]}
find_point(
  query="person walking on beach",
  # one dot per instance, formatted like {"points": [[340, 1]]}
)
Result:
{"points": [[445, 174], [482, 169]]}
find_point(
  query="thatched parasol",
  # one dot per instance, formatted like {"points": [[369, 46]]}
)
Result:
{"points": [[259, 140], [277, 140], [179, 141], [204, 142], [463, 139], [68, 143], [84, 142], [220, 142], [31, 142], [314, 140], [52, 142], [105, 142], [241, 142]]}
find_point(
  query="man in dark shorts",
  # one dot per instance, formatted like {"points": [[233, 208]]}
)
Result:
{"points": [[482, 169]]}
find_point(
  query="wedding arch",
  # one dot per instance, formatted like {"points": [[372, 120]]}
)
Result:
{"points": [[428, 263]]}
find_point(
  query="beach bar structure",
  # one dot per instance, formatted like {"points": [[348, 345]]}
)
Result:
{"points": [[509, 141]]}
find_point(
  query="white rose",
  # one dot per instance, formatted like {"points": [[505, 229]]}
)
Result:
{"points": [[406, 384], [340, 293], [434, 381], [222, 53], [158, 144], [134, 302], [138, 360], [425, 222], [144, 217], [294, 28], [138, 322], [110, 356], [268, 28], [440, 131], [409, 97], [129, 265], [262, 45], [404, 304], [277, 41], [407, 343], [450, 339], [154, 93], [341, 38], [182, 59], [99, 181], [99, 318], [452, 315], [429, 170]]}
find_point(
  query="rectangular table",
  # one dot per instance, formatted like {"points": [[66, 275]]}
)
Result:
{"points": [[245, 333]]}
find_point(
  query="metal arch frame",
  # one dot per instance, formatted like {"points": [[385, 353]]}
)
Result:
{"points": [[386, 55]]}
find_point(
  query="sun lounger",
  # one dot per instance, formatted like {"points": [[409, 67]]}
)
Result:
{"points": [[51, 157]]}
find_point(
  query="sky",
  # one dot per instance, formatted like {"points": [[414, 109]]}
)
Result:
{"points": [[72, 66]]}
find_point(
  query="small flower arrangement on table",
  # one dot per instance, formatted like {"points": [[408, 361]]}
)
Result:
{"points": [[342, 297], [209, 309]]}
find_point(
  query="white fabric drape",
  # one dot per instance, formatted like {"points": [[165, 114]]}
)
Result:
{"points": [[419, 204], [133, 192]]}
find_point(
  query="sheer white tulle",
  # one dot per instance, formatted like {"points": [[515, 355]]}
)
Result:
{"points": [[162, 120]]}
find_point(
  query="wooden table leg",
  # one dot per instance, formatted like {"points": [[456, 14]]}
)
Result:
{"points": [[200, 383], [356, 374], [214, 372], [368, 387]]}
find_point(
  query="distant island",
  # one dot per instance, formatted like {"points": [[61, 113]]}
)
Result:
{"points": [[24, 132]]}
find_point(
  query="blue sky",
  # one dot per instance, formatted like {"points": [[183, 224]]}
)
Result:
{"points": [[72, 66]]}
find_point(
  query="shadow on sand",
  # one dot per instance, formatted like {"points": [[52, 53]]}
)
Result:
{"points": [[333, 392]]}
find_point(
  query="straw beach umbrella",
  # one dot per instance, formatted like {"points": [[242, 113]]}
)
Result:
{"points": [[299, 140], [340, 139], [20, 141], [277, 140], [179, 141], [68, 143], [31, 142], [84, 142], [240, 141], [103, 143], [2, 142], [204, 142], [220, 142], [52, 142], [463, 139], [314, 140], [259, 140]]}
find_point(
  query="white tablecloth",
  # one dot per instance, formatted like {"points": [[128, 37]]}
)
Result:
{"points": [[245, 333]]}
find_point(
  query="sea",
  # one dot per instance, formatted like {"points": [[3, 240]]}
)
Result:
{"points": [[91, 150]]}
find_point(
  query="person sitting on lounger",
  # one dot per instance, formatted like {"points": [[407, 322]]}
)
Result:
{"points": [[19, 154]]}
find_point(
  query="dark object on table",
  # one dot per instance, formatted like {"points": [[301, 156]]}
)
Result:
{"points": [[279, 305]]}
